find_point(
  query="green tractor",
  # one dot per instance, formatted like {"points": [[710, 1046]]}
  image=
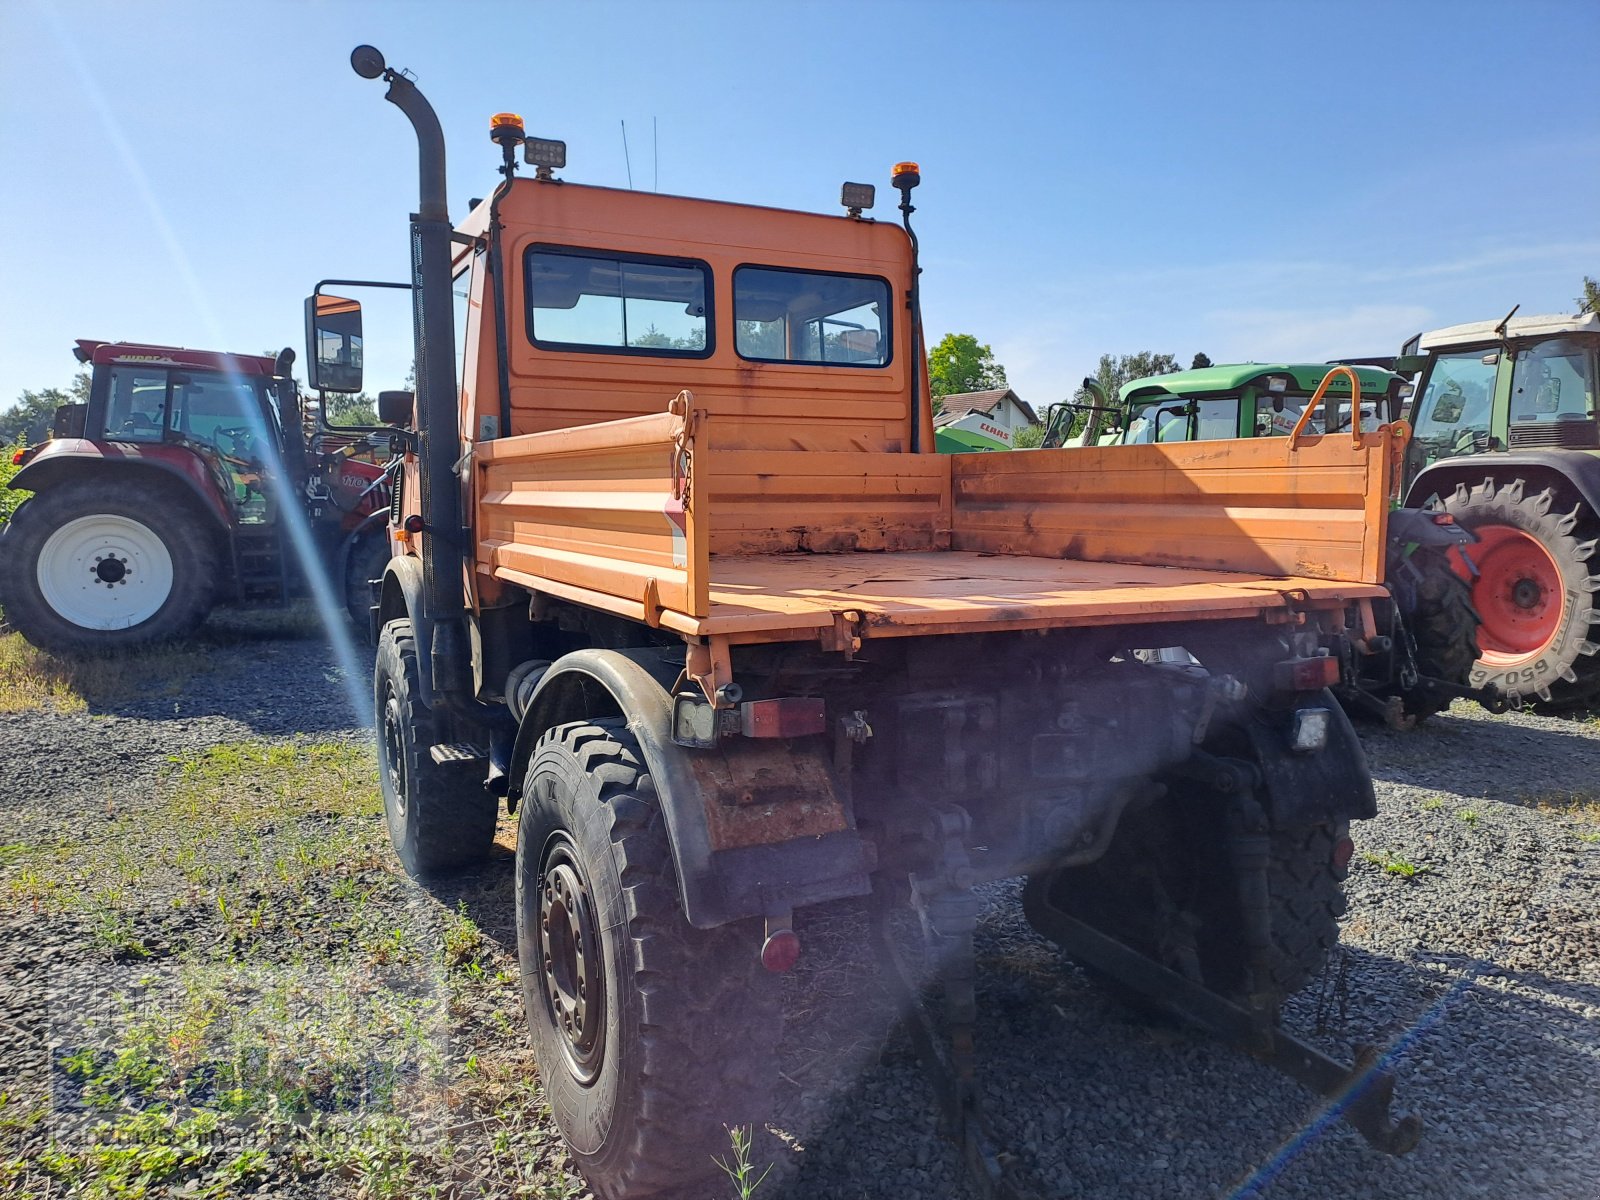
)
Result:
{"points": [[1423, 656], [1507, 441]]}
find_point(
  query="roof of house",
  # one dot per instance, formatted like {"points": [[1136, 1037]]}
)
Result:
{"points": [[959, 404]]}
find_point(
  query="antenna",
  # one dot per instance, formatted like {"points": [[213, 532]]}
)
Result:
{"points": [[625, 158], [655, 154]]}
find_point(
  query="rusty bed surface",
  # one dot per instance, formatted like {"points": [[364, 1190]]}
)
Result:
{"points": [[916, 592]]}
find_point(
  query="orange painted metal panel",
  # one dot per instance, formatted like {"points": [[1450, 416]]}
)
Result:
{"points": [[1253, 505], [597, 508]]}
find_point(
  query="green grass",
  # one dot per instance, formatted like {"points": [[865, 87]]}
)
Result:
{"points": [[1433, 804], [1392, 864], [31, 680], [271, 972]]}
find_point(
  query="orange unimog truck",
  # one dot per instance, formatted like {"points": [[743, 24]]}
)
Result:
{"points": [[681, 577]]}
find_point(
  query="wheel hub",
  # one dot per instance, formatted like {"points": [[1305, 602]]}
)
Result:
{"points": [[110, 570], [394, 748], [569, 954]]}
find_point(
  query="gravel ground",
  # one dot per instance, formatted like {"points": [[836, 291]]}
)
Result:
{"points": [[1482, 970]]}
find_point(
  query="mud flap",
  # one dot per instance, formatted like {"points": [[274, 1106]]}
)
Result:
{"points": [[1317, 787]]}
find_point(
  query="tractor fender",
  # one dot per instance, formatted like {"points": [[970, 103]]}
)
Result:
{"points": [[1578, 470], [1298, 789], [401, 596], [715, 885], [63, 459]]}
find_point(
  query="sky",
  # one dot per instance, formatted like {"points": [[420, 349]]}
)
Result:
{"points": [[1255, 181]]}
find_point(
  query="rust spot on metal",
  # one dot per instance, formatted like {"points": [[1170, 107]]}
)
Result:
{"points": [[757, 793]]}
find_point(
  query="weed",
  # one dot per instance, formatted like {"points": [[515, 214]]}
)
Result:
{"points": [[1394, 865], [1469, 815], [740, 1171], [1433, 804], [463, 941], [378, 1155], [1590, 836]]}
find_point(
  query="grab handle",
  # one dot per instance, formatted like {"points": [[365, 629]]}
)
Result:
{"points": [[1322, 389]]}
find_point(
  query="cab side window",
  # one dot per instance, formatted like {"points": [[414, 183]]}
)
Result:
{"points": [[1457, 403], [136, 406]]}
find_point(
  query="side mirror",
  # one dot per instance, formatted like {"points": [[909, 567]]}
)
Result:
{"points": [[333, 343], [394, 408], [1447, 409]]}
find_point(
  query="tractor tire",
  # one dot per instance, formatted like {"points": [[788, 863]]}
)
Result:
{"points": [[104, 565], [1533, 589], [440, 819], [1444, 626], [653, 1037], [1152, 868], [368, 557]]}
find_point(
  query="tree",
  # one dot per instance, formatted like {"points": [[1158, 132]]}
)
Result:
{"points": [[355, 408], [1029, 437], [960, 363], [30, 418], [1589, 302], [1200, 360]]}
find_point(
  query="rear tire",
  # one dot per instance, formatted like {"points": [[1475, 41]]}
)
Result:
{"points": [[1534, 592], [1444, 626], [652, 1036], [1156, 854], [96, 566], [439, 818]]}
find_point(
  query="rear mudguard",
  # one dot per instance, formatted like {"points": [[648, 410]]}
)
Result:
{"points": [[1331, 784], [1578, 470], [64, 459], [716, 885]]}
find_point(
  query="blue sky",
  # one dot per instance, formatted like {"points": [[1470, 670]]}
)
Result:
{"points": [[1251, 180]]}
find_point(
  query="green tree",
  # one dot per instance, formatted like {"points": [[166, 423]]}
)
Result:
{"points": [[960, 363], [1029, 437], [1589, 302], [29, 419]]}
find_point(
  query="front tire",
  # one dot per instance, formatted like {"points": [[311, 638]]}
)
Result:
{"points": [[96, 566], [1534, 590], [439, 819], [653, 1037]]}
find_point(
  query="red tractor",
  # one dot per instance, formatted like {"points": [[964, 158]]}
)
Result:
{"points": [[189, 478]]}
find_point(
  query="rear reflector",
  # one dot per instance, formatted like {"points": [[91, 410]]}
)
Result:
{"points": [[780, 951], [791, 716], [1342, 851], [16, 459], [1306, 674]]}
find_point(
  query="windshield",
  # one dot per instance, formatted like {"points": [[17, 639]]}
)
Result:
{"points": [[1456, 404], [1270, 422], [1168, 420]]}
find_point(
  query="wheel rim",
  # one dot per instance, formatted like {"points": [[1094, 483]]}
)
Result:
{"points": [[569, 960], [105, 572], [394, 769], [1517, 593]]}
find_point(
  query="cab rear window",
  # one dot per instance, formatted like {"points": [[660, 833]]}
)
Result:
{"points": [[811, 317], [618, 304]]}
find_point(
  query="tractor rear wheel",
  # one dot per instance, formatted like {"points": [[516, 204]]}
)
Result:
{"points": [[653, 1037], [368, 557], [95, 566], [1532, 585], [1444, 626], [439, 818]]}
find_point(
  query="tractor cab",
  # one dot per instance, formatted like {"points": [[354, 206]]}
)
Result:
{"points": [[1527, 383], [157, 401], [1250, 400]]}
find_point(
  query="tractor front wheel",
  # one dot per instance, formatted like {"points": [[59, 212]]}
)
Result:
{"points": [[1532, 586], [104, 565]]}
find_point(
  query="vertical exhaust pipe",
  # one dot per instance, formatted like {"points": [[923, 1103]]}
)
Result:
{"points": [[438, 437]]}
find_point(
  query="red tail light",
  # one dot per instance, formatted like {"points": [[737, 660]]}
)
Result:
{"points": [[1306, 674], [16, 459], [791, 716]]}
